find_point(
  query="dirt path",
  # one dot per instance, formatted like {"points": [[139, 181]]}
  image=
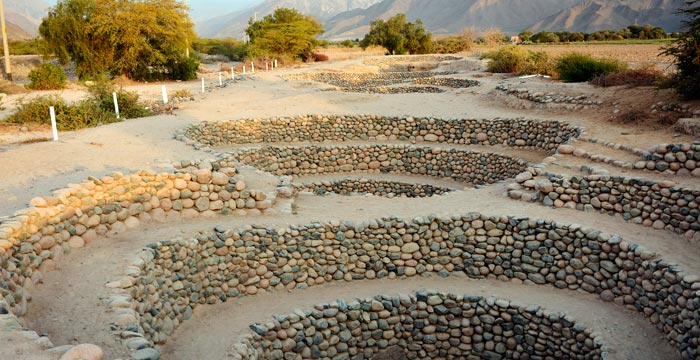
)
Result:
{"points": [[70, 304]]}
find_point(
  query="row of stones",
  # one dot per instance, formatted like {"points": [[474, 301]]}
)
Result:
{"points": [[382, 188], [547, 98], [402, 90], [447, 82], [681, 159], [673, 159], [469, 167], [363, 82], [175, 276], [388, 61], [661, 205], [36, 238], [543, 135], [427, 325]]}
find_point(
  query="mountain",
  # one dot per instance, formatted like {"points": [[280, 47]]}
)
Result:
{"points": [[15, 32], [449, 16], [235, 23], [26, 15], [594, 15]]}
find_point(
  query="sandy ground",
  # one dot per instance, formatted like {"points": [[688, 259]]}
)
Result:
{"points": [[70, 305]]}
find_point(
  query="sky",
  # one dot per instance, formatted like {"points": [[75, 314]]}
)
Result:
{"points": [[207, 9]]}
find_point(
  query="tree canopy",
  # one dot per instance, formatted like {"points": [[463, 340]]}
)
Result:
{"points": [[142, 39], [686, 50], [399, 36], [285, 32]]}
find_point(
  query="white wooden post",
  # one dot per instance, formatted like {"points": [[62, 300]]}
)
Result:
{"points": [[165, 94], [220, 82], [275, 63], [54, 129], [116, 104], [266, 68], [252, 68], [243, 69], [202, 85], [233, 74]]}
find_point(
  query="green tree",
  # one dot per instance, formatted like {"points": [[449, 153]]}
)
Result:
{"points": [[526, 35], [142, 39], [686, 50], [399, 36], [285, 32]]}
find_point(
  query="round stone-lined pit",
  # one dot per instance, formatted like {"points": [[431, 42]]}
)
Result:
{"points": [[427, 325]]}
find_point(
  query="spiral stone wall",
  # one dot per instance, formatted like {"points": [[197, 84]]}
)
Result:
{"points": [[427, 325], [175, 276], [465, 166], [661, 205], [543, 135], [35, 239]]}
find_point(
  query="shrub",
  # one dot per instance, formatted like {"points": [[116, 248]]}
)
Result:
{"points": [[577, 67], [129, 104], [47, 77], [182, 94], [646, 76], [517, 60], [320, 57], [80, 115]]}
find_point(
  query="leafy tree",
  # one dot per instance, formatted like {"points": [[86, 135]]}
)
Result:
{"points": [[142, 39], [398, 36], [285, 32], [686, 50], [526, 35]]}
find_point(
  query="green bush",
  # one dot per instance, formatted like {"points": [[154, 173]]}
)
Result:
{"points": [[517, 60], [75, 116], [577, 67], [129, 105], [47, 77]]}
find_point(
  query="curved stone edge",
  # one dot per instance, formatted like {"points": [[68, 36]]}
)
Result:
{"points": [[383, 188], [427, 325], [34, 239], [520, 133], [661, 205], [173, 277], [470, 167]]}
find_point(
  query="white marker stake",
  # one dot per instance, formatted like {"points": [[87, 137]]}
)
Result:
{"points": [[52, 112], [233, 74], [266, 68], [275, 63], [202, 85], [116, 104], [252, 68], [243, 69], [165, 95]]}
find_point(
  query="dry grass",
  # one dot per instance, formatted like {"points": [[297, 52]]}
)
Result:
{"points": [[336, 54], [640, 54], [644, 76]]}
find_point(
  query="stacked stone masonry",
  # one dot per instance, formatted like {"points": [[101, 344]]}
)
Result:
{"points": [[427, 325], [34, 240], [469, 167], [680, 159], [375, 187], [653, 204], [176, 276], [542, 135]]}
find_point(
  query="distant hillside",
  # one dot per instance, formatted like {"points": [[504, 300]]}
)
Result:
{"points": [[235, 23], [449, 16], [25, 15], [594, 15], [15, 32]]}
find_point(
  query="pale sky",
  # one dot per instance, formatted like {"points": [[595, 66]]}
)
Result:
{"points": [[206, 9]]}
